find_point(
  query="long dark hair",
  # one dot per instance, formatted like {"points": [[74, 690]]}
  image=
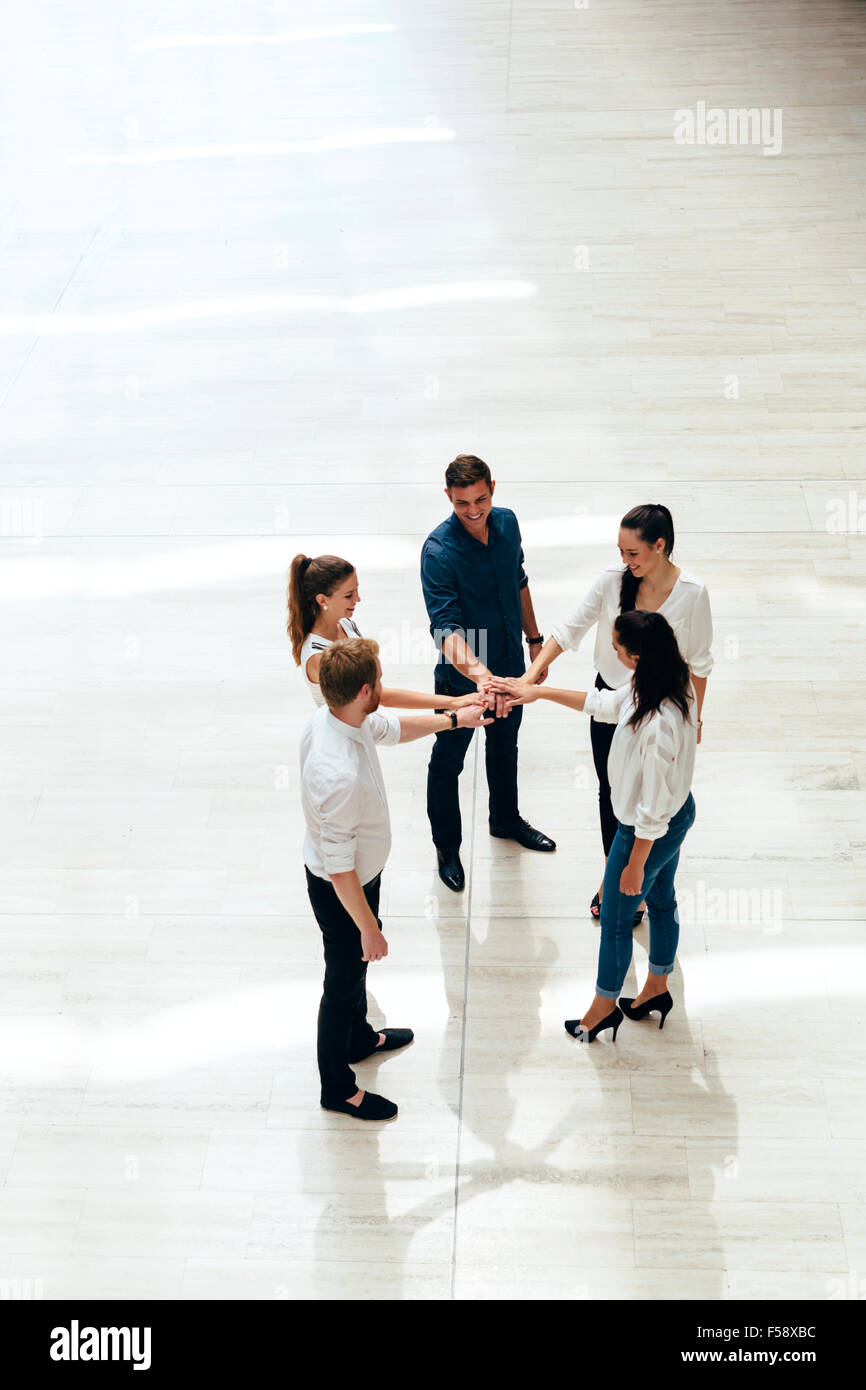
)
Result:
{"points": [[660, 674], [308, 577], [652, 522]]}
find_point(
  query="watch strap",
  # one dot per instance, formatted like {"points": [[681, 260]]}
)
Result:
{"points": [[452, 714]]}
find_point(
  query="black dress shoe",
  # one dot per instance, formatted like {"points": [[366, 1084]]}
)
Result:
{"points": [[394, 1038], [372, 1107], [525, 835], [451, 870]]}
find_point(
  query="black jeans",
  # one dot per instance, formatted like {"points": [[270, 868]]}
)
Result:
{"points": [[601, 737], [343, 1028], [446, 764]]}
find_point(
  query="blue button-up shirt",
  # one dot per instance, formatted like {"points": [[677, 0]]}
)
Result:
{"points": [[473, 589]]}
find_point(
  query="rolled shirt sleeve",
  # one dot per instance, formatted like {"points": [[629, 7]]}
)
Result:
{"points": [[605, 705], [658, 798], [701, 636], [384, 725], [440, 593], [570, 633], [338, 809]]}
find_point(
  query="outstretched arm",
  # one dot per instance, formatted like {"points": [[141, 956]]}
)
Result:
{"points": [[414, 726], [393, 698], [604, 705], [520, 691]]}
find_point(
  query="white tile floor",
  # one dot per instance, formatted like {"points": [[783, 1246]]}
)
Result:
{"points": [[261, 282]]}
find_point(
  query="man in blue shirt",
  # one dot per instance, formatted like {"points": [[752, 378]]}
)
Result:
{"points": [[478, 602]]}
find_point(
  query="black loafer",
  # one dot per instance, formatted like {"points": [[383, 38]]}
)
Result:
{"points": [[451, 870], [372, 1107], [394, 1038], [525, 835]]}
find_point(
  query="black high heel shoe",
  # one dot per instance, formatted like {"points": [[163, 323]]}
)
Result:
{"points": [[661, 1003], [575, 1028], [595, 912]]}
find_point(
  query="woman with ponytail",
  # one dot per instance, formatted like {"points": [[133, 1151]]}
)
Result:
{"points": [[652, 759], [646, 579], [321, 596]]}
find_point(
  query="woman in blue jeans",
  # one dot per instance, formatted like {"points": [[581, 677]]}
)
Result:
{"points": [[650, 768]]}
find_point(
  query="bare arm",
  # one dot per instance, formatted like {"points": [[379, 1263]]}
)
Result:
{"points": [[631, 878], [530, 627], [542, 659], [519, 690], [700, 684], [527, 612], [347, 887], [572, 699], [461, 656], [393, 698], [414, 726]]}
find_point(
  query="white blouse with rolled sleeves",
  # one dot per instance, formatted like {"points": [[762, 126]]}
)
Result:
{"points": [[650, 768], [687, 609]]}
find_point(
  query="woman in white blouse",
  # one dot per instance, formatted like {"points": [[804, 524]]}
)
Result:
{"points": [[652, 759], [321, 596], [649, 580]]}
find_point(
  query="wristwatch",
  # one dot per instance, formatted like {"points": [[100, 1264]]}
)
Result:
{"points": [[453, 716], [533, 641]]}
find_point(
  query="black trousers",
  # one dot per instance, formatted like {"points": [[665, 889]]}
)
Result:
{"points": [[446, 764], [601, 737], [344, 1032]]}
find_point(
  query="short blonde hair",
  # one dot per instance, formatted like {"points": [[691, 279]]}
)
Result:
{"points": [[344, 667]]}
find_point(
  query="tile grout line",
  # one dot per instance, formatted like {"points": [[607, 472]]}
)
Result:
{"points": [[38, 336], [463, 1024]]}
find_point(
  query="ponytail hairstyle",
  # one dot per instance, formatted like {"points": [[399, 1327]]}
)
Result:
{"points": [[308, 577], [652, 522], [660, 674]]}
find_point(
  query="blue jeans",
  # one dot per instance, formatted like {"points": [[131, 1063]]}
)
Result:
{"points": [[617, 910]]}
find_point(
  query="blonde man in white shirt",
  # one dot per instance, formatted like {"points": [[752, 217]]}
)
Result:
{"points": [[652, 760], [646, 579], [347, 842]]}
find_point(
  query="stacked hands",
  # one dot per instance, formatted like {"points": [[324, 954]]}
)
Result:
{"points": [[498, 694]]}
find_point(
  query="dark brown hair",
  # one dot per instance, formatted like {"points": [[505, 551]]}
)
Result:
{"points": [[661, 673], [308, 577], [652, 522], [465, 470], [344, 667]]}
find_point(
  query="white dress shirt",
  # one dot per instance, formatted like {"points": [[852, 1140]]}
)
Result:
{"points": [[650, 769], [687, 609], [314, 645], [343, 794]]}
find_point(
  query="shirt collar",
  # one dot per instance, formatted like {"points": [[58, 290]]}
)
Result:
{"points": [[347, 730]]}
